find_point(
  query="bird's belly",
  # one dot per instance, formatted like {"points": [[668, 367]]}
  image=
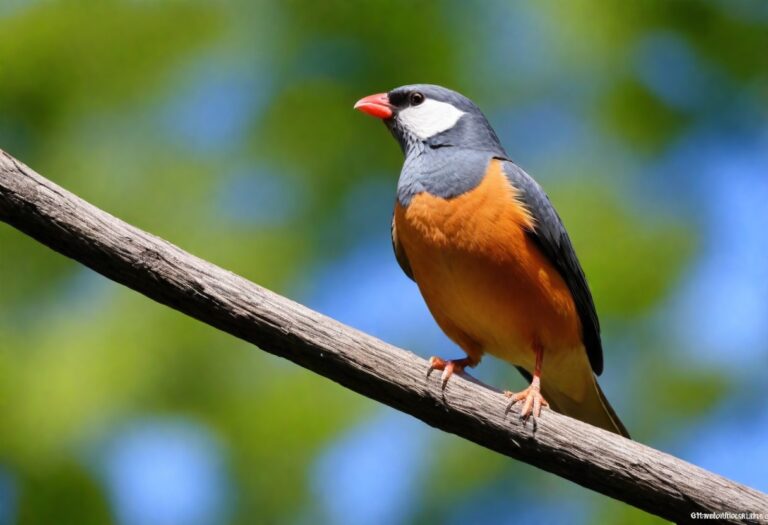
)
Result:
{"points": [[483, 278]]}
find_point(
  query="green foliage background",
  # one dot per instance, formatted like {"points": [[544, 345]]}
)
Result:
{"points": [[149, 109]]}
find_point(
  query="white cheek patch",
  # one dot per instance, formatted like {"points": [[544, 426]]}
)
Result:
{"points": [[429, 118]]}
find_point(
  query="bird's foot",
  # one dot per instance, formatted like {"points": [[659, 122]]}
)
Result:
{"points": [[532, 401], [449, 367]]}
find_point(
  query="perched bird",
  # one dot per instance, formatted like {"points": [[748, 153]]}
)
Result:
{"points": [[490, 254]]}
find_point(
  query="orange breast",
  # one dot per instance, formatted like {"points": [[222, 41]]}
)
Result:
{"points": [[484, 280]]}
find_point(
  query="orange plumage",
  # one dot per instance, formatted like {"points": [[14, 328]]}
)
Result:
{"points": [[491, 290], [484, 280]]}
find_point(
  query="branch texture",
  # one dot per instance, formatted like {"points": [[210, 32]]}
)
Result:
{"points": [[628, 471]]}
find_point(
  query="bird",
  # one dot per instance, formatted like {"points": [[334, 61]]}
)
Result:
{"points": [[491, 256]]}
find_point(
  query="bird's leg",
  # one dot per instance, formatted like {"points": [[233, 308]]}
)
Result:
{"points": [[531, 396], [449, 367]]}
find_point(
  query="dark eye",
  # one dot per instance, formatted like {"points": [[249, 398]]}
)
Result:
{"points": [[416, 98]]}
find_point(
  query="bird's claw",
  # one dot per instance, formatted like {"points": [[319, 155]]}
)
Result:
{"points": [[449, 367], [532, 400]]}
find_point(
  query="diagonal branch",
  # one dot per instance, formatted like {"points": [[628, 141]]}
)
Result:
{"points": [[609, 464]]}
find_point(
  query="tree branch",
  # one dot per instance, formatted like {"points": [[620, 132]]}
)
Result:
{"points": [[604, 462]]}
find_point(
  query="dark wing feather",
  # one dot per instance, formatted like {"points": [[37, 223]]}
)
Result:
{"points": [[552, 239], [402, 260]]}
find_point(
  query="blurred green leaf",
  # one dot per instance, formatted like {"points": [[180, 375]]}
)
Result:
{"points": [[630, 258]]}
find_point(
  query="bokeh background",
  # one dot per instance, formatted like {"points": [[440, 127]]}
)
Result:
{"points": [[227, 128]]}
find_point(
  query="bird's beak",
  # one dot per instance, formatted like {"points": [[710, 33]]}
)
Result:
{"points": [[375, 105]]}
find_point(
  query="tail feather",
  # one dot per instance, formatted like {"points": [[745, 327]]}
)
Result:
{"points": [[619, 427], [594, 409]]}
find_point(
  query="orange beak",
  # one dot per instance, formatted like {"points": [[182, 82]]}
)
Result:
{"points": [[375, 105]]}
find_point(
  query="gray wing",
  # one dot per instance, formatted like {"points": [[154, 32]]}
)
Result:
{"points": [[552, 239], [402, 260]]}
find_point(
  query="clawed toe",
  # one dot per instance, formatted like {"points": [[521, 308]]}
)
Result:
{"points": [[448, 367], [532, 400]]}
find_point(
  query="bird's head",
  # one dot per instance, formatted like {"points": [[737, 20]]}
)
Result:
{"points": [[424, 116]]}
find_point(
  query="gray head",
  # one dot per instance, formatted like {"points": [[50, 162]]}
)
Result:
{"points": [[422, 116]]}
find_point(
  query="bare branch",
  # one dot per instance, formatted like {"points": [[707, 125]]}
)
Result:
{"points": [[604, 462]]}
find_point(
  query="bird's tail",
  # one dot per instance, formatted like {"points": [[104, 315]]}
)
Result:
{"points": [[594, 409]]}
